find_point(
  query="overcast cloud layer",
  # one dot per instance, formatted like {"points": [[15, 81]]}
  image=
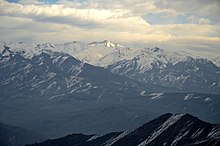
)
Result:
{"points": [[170, 24]]}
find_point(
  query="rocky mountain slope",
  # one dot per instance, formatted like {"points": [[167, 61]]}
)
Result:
{"points": [[167, 130]]}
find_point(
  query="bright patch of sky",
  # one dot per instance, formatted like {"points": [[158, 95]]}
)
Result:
{"points": [[192, 25]]}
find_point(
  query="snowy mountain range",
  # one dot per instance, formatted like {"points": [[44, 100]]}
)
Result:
{"points": [[179, 70], [42, 72], [166, 130]]}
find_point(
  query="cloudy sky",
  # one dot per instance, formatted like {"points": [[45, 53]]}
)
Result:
{"points": [[192, 25]]}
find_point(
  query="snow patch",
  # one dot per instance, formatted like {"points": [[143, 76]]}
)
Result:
{"points": [[55, 96], [99, 98], [207, 99], [197, 133], [188, 97], [112, 141], [93, 137], [142, 93], [156, 95], [179, 137], [215, 133]]}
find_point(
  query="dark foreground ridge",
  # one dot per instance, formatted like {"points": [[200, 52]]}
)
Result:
{"points": [[167, 130]]}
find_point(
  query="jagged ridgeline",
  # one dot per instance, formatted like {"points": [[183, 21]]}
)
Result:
{"points": [[166, 130]]}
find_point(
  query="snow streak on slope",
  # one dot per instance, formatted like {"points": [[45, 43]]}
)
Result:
{"points": [[173, 119], [112, 141], [156, 95]]}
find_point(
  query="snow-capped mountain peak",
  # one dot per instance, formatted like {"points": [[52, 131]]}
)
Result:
{"points": [[26, 50], [106, 43]]}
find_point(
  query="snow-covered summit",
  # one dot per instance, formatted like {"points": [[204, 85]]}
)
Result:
{"points": [[101, 53], [26, 50], [106, 43]]}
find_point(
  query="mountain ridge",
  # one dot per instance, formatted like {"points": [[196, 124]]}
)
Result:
{"points": [[168, 129]]}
